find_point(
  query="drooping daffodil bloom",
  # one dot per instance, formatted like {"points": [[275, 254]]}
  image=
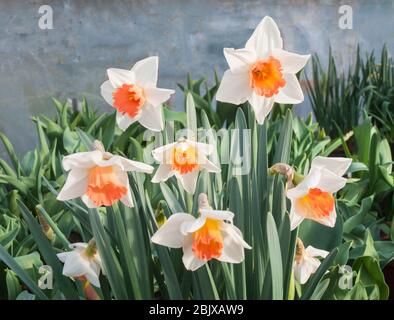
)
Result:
{"points": [[306, 262], [210, 236], [185, 159], [262, 72], [133, 93], [99, 177], [82, 262], [313, 197]]}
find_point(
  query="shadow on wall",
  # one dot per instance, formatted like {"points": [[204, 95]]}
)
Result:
{"points": [[70, 60]]}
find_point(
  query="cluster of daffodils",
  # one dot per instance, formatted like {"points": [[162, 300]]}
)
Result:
{"points": [[261, 74]]}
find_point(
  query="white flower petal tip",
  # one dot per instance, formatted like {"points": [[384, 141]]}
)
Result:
{"points": [[99, 178], [133, 93], [336, 165], [313, 198], [262, 73], [82, 262], [183, 159], [192, 234], [306, 262]]}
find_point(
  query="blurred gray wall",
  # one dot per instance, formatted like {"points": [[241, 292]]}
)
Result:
{"points": [[189, 36]]}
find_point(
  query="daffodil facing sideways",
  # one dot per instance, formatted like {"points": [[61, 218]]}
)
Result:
{"points": [[185, 159], [262, 72], [82, 262], [133, 93], [313, 197], [306, 262], [99, 177], [210, 236]]}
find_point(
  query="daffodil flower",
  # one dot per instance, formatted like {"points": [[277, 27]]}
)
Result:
{"points": [[306, 262], [184, 159], [83, 261], [99, 177], [133, 93], [210, 236], [313, 197], [262, 72]]}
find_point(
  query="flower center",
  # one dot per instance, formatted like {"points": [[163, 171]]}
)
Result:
{"points": [[129, 98], [104, 188], [316, 204], [266, 77], [208, 240], [184, 158]]}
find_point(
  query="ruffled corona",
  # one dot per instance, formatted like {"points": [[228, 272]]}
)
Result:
{"points": [[129, 99], [104, 188], [266, 77], [208, 240], [316, 203], [184, 158]]}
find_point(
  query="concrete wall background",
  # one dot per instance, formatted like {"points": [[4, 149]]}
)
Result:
{"points": [[189, 36]]}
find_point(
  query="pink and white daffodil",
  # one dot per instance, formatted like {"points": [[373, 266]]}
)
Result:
{"points": [[313, 197], [262, 72], [184, 159], [99, 177], [306, 262], [133, 93], [82, 262], [210, 236]]}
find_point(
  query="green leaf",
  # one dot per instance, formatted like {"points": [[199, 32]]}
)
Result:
{"points": [[275, 258], [14, 266]]}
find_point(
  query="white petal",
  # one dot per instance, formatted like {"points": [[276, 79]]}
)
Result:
{"points": [[106, 91], [313, 252], [130, 165], [234, 88], [190, 261], [163, 173], [127, 199], [157, 96], [311, 180], [291, 93], [239, 59], [163, 153], [76, 185], [217, 214], [81, 160], [265, 38], [336, 165], [78, 246], [291, 62], [203, 148], [75, 265], [304, 269], [232, 251], [146, 71], [93, 278], [89, 203], [210, 166], [189, 181], [261, 106], [169, 234], [295, 217], [152, 117], [330, 182], [192, 226], [63, 256], [119, 77], [124, 121]]}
